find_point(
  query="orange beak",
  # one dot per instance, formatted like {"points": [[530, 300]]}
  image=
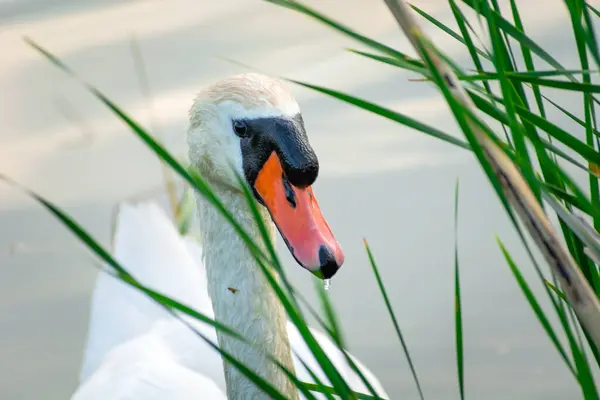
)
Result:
{"points": [[298, 217]]}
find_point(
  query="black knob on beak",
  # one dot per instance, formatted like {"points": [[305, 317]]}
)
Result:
{"points": [[329, 265]]}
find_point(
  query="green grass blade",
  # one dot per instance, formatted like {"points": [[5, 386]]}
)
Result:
{"points": [[551, 173], [259, 381], [589, 33], [570, 114], [527, 58], [294, 295], [388, 305], [464, 119], [516, 34], [594, 10], [502, 62], [519, 36], [330, 316], [494, 112], [409, 65], [595, 350], [523, 39], [464, 26], [458, 304], [585, 249], [184, 212], [578, 226], [576, 190], [386, 113], [290, 304], [552, 83], [564, 155], [289, 300], [522, 75], [575, 11], [553, 130], [85, 238], [533, 302], [461, 113], [556, 290], [309, 12], [338, 338], [143, 81], [329, 390], [327, 366], [447, 30], [199, 184], [510, 54], [318, 383], [568, 198], [252, 204], [196, 181], [334, 328], [561, 135]]}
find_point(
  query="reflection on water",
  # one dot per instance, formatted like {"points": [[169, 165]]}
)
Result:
{"points": [[378, 180]]}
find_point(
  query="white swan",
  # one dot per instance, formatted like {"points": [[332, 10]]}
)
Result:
{"points": [[135, 349]]}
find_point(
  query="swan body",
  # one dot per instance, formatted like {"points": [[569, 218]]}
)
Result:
{"points": [[247, 125], [136, 350]]}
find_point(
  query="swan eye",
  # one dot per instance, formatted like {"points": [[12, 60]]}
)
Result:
{"points": [[240, 128]]}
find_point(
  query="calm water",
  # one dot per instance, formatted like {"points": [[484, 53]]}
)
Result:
{"points": [[380, 181]]}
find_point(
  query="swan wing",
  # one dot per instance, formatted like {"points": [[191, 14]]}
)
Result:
{"points": [[301, 351], [149, 247], [136, 350], [144, 368]]}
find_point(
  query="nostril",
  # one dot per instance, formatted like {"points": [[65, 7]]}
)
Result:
{"points": [[327, 260], [303, 176]]}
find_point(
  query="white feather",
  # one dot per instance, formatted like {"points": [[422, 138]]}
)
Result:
{"points": [[135, 350]]}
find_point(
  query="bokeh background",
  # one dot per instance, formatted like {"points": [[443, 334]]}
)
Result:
{"points": [[378, 180]]}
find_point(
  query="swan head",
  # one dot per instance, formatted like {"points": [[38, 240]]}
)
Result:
{"points": [[250, 125]]}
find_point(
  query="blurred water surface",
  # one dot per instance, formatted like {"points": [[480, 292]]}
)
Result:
{"points": [[378, 180]]}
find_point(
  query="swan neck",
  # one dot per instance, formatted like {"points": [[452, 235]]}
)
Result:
{"points": [[243, 299]]}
